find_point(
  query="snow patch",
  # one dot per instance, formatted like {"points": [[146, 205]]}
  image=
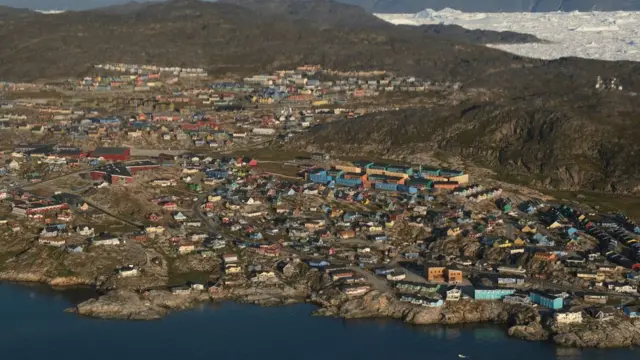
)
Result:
{"points": [[50, 12]]}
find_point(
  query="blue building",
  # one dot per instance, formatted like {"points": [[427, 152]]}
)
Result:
{"points": [[491, 293], [319, 264], [632, 311], [573, 233], [320, 176], [547, 300]]}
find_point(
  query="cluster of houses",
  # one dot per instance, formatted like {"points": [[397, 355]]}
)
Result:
{"points": [[302, 86], [387, 177], [153, 69]]}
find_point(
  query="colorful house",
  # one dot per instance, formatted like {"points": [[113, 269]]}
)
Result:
{"points": [[491, 293], [547, 300], [632, 311]]}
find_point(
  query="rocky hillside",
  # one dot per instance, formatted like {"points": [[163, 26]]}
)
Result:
{"points": [[586, 140]]}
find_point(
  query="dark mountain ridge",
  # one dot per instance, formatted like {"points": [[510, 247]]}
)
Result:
{"points": [[327, 14], [391, 6], [225, 37]]}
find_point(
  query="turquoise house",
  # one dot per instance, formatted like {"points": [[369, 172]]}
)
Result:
{"points": [[492, 293], [547, 300]]}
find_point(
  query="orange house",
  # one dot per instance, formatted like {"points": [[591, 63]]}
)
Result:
{"points": [[445, 185], [435, 273], [454, 276]]}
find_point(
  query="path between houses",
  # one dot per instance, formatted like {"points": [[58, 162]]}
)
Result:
{"points": [[377, 283]]}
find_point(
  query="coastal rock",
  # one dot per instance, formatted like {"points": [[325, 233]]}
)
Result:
{"points": [[11, 275], [617, 332], [423, 316], [372, 304], [121, 305], [531, 332], [70, 281], [269, 295], [167, 300], [379, 304], [124, 304]]}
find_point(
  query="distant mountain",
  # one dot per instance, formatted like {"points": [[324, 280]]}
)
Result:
{"points": [[324, 13], [389, 6], [328, 13], [10, 12], [224, 38]]}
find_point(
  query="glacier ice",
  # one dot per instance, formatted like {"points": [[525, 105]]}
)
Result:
{"points": [[594, 35]]}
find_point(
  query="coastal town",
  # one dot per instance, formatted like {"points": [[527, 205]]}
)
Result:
{"points": [[163, 187]]}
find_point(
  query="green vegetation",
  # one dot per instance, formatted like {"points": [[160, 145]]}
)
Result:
{"points": [[177, 278], [603, 201]]}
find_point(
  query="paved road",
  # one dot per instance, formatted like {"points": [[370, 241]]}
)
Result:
{"points": [[378, 283], [197, 209]]}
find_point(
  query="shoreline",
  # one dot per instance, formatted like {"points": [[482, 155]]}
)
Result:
{"points": [[518, 321]]}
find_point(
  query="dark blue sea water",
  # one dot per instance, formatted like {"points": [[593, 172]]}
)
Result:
{"points": [[33, 325]]}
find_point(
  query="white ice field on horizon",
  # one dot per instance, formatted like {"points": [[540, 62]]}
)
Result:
{"points": [[593, 35]]}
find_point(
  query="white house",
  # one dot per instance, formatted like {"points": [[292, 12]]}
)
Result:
{"points": [[197, 287], [264, 276], [110, 240], [14, 165], [85, 231], [57, 242], [569, 317], [185, 249], [179, 217], [128, 271], [48, 234], [454, 294]]}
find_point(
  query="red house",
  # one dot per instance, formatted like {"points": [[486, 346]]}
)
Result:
{"points": [[154, 217], [112, 153], [170, 206], [135, 167], [112, 173], [121, 173]]}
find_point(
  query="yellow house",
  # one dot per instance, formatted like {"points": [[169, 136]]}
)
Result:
{"points": [[462, 179], [519, 242], [503, 243], [389, 224], [214, 198], [154, 229], [555, 225], [454, 231], [529, 229]]}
